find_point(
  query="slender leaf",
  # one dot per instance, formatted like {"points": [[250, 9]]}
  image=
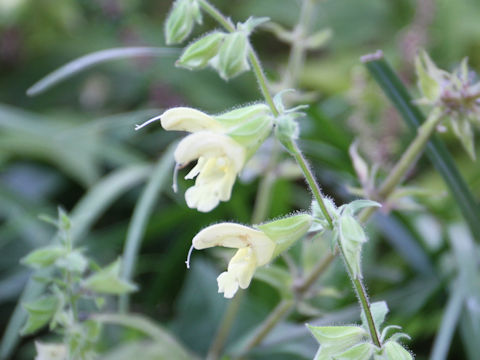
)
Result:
{"points": [[92, 59], [441, 345], [141, 214]]}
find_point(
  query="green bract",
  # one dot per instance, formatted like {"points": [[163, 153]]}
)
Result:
{"points": [[335, 340], [43, 257], [180, 21], [40, 313], [394, 351], [108, 281]]}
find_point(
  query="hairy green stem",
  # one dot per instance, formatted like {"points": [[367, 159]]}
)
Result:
{"points": [[217, 15], [310, 178], [252, 56], [363, 297]]}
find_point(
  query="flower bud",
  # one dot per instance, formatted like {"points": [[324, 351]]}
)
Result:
{"points": [[285, 232], [181, 19], [249, 126], [198, 54], [232, 58]]}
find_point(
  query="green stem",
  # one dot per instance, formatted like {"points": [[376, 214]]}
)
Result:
{"points": [[410, 156], [262, 81], [406, 161], [224, 329], [252, 56], [297, 53], [310, 178], [317, 270], [363, 298], [217, 15], [277, 314]]}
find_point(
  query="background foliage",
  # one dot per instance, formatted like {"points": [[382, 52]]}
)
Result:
{"points": [[75, 146]]}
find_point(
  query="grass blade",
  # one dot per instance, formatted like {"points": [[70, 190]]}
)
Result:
{"points": [[449, 323], [141, 214], [92, 59], [436, 150]]}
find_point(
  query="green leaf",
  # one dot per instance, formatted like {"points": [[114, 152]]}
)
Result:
{"points": [[379, 310], [108, 281], [357, 205], [141, 214], [43, 257], [87, 61], [40, 312]]}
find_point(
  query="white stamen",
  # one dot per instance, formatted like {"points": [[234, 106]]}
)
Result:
{"points": [[175, 178], [138, 127], [188, 256]]}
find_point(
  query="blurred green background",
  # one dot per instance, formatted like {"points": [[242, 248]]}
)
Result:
{"points": [[60, 146]]}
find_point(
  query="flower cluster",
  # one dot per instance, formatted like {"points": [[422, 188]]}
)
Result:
{"points": [[454, 95]]}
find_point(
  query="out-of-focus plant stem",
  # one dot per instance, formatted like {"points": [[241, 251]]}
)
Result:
{"points": [[435, 149], [406, 161]]}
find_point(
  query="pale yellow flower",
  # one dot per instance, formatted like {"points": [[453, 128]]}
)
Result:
{"points": [[221, 144], [254, 249], [220, 159]]}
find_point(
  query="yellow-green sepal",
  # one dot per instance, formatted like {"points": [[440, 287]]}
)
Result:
{"points": [[199, 53], [285, 232]]}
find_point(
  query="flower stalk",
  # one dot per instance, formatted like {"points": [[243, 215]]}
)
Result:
{"points": [[252, 56]]}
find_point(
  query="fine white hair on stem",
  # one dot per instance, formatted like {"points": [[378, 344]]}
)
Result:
{"points": [[187, 262], [138, 127]]}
